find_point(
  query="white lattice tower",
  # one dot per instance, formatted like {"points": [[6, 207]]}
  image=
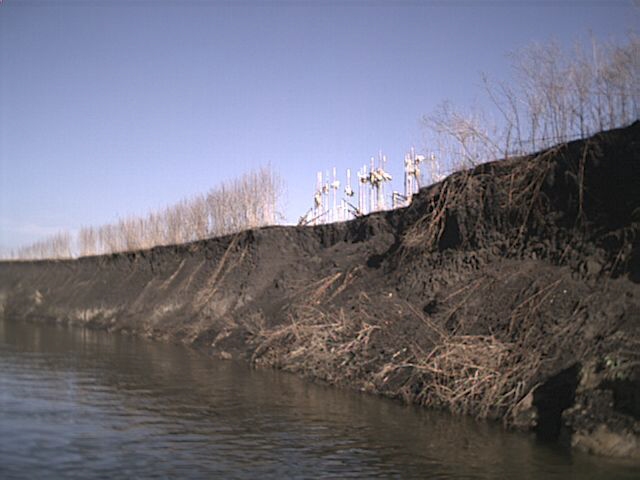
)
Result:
{"points": [[335, 185], [317, 199], [377, 178], [348, 191], [363, 180]]}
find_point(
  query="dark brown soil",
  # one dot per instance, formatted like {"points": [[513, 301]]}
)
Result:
{"points": [[510, 291]]}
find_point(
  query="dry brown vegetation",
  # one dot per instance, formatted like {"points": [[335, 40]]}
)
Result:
{"points": [[469, 374]]}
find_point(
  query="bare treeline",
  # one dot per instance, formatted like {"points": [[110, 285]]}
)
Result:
{"points": [[58, 245], [556, 96], [248, 202]]}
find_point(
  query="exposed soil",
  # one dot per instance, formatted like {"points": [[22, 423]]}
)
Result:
{"points": [[511, 291]]}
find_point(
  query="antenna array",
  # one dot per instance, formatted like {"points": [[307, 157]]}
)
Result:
{"points": [[329, 206]]}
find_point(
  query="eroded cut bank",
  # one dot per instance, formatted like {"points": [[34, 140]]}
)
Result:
{"points": [[509, 292]]}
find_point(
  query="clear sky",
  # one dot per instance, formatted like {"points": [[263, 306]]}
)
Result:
{"points": [[113, 108]]}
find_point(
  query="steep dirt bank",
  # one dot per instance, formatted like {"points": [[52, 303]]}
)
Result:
{"points": [[510, 291]]}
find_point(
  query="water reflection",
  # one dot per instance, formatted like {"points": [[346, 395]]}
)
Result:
{"points": [[80, 403]]}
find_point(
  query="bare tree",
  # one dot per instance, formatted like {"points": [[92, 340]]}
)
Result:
{"points": [[463, 139], [556, 97], [88, 241]]}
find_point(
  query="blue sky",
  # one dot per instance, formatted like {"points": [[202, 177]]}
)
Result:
{"points": [[114, 108]]}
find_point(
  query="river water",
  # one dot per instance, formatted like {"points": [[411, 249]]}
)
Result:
{"points": [[76, 403]]}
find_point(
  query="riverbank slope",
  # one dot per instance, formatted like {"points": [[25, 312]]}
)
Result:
{"points": [[509, 291]]}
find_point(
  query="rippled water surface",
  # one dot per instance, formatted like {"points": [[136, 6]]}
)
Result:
{"points": [[76, 403]]}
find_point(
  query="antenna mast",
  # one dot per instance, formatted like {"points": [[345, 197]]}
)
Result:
{"points": [[377, 178]]}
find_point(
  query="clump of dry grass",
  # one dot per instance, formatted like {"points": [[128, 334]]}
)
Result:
{"points": [[474, 374], [318, 339], [316, 343]]}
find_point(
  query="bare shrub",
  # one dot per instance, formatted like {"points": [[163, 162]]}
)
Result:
{"points": [[466, 137]]}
